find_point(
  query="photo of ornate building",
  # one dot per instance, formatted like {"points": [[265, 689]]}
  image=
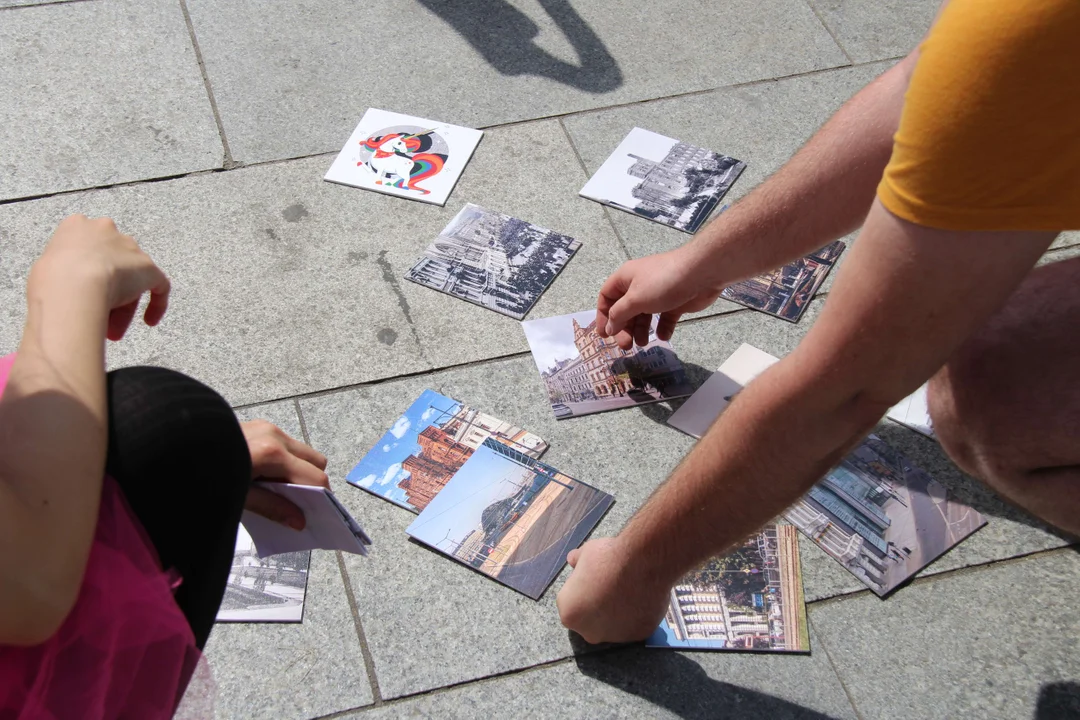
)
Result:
{"points": [[493, 260], [786, 291], [598, 375]]}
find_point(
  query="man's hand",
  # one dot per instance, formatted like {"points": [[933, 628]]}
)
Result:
{"points": [[671, 283], [277, 457], [604, 600]]}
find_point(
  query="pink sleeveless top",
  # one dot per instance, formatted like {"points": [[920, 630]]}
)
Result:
{"points": [[125, 651]]}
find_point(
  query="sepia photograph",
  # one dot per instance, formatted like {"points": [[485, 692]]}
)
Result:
{"points": [[584, 373], [786, 291], [511, 517], [881, 516], [264, 589], [662, 179], [427, 444], [748, 599], [493, 260]]}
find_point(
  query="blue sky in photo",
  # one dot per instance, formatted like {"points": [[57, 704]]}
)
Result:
{"points": [[380, 470], [455, 512]]}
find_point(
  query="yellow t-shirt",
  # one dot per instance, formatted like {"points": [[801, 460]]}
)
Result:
{"points": [[989, 138]]}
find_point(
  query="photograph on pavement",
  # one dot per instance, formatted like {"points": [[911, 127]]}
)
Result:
{"points": [[786, 291], [697, 413], [748, 599], [405, 156], [494, 261], [510, 517], [882, 516], [584, 373], [913, 412], [268, 589], [662, 179], [427, 444]]}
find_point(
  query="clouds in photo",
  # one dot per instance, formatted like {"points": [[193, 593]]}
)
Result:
{"points": [[400, 427], [386, 448], [428, 414], [366, 481], [394, 474]]}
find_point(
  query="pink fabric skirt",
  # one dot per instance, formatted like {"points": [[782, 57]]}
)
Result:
{"points": [[125, 651]]}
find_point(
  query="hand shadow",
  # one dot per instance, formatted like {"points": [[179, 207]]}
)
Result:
{"points": [[1058, 701], [679, 685], [503, 35], [662, 411]]}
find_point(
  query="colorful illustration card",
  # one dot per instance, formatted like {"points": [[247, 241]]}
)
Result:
{"points": [[430, 442], [786, 291], [510, 517], [882, 516], [493, 260], [749, 599], [662, 179], [405, 156], [914, 413], [268, 589], [703, 407], [584, 373]]}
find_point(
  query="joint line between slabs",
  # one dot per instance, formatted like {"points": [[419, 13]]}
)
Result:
{"points": [[585, 169], [227, 162], [42, 3], [365, 651], [828, 657], [830, 31]]}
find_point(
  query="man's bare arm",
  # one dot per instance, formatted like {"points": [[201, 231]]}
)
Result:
{"points": [[903, 301]]}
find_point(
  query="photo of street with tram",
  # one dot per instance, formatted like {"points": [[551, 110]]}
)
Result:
{"points": [[584, 373], [748, 599], [510, 517], [268, 589], [786, 291], [882, 517]]}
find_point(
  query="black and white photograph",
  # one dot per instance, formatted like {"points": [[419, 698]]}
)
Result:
{"points": [[786, 291], [494, 260], [270, 589], [663, 179]]}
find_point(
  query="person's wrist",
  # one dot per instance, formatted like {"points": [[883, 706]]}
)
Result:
{"points": [[643, 565], [704, 259], [52, 281]]}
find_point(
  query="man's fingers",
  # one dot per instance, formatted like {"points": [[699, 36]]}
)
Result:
{"points": [[120, 320], [624, 340], [642, 326], [572, 556], [612, 294], [301, 472], [274, 507], [665, 328]]}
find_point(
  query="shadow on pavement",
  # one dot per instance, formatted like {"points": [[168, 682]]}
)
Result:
{"points": [[679, 685], [503, 35], [1058, 701], [696, 375]]}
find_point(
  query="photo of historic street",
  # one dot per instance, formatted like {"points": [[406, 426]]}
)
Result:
{"points": [[264, 589], [493, 260], [511, 517], [584, 373], [665, 180], [785, 292], [882, 517], [423, 449], [749, 599]]}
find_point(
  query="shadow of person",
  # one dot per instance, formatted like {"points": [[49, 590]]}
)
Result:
{"points": [[503, 35], [1058, 701], [679, 685], [660, 412]]}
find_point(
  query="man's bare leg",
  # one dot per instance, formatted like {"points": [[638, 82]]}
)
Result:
{"points": [[1006, 407]]}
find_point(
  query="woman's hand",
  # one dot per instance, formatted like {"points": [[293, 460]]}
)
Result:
{"points": [[92, 256], [276, 457]]}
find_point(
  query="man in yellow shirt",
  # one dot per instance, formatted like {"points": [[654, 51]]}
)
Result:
{"points": [[961, 164]]}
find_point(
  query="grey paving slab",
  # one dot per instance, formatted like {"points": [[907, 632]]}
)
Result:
{"points": [[118, 99], [291, 670], [762, 124], [294, 79], [637, 683], [1066, 239], [542, 191], [277, 287], [26, 3], [996, 642], [877, 29]]}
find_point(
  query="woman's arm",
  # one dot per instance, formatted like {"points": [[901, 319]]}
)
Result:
{"points": [[53, 425]]}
